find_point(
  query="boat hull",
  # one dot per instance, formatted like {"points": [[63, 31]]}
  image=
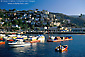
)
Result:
{"points": [[10, 40], [35, 41], [18, 45], [58, 39], [55, 40], [68, 39], [2, 42]]}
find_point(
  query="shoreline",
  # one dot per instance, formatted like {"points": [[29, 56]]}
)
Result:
{"points": [[43, 33], [56, 33]]}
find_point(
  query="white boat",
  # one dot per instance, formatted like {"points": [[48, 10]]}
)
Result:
{"points": [[19, 44], [39, 38], [2, 35], [5, 37], [13, 35]]}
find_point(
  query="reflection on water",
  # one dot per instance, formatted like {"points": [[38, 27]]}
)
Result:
{"points": [[43, 41], [2, 45], [20, 49], [34, 44]]}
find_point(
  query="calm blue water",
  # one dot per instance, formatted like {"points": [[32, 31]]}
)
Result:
{"points": [[76, 48]]}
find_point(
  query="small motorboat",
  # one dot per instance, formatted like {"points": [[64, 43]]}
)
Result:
{"points": [[19, 44], [58, 39], [2, 41], [55, 39], [62, 48], [36, 39], [10, 40], [2, 35]]}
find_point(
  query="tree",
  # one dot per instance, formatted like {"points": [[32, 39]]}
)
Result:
{"points": [[36, 9], [32, 27], [0, 9], [9, 9], [59, 27], [6, 16], [80, 15], [16, 22], [21, 15], [1, 14], [20, 22], [23, 10], [38, 28], [14, 9], [4, 9], [84, 24], [41, 22], [43, 10]]}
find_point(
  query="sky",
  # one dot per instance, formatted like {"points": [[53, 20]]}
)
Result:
{"points": [[68, 7]]}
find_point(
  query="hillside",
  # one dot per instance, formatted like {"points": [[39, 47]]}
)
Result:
{"points": [[78, 21], [76, 16]]}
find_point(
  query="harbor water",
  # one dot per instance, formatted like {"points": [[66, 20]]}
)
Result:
{"points": [[76, 48]]}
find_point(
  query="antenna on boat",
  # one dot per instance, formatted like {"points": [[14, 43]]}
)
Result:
{"points": [[48, 32]]}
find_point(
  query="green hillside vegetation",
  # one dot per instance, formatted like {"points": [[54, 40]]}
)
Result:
{"points": [[77, 21], [29, 19]]}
